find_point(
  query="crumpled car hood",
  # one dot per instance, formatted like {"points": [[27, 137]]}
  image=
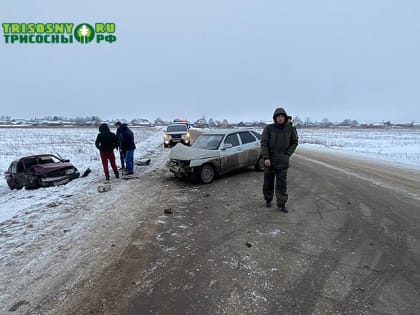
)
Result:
{"points": [[51, 167], [183, 152]]}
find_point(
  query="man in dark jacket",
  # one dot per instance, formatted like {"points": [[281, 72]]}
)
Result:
{"points": [[127, 145], [106, 142], [278, 142]]}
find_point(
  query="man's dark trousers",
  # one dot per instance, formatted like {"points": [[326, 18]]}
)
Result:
{"points": [[281, 185]]}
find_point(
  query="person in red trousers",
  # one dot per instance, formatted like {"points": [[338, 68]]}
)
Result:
{"points": [[106, 142]]}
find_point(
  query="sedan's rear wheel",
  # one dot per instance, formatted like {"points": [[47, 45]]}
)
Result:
{"points": [[207, 173]]}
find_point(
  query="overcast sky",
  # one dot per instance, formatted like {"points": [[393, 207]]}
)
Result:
{"points": [[235, 59]]}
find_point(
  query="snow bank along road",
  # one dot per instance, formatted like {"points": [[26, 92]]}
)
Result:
{"points": [[349, 245]]}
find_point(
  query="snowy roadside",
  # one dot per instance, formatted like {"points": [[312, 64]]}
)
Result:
{"points": [[399, 147], [53, 236], [361, 156], [78, 145]]}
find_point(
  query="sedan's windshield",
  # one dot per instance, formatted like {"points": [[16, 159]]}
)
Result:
{"points": [[35, 160], [48, 159], [208, 142]]}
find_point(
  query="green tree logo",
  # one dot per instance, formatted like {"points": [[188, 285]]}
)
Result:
{"points": [[84, 33]]}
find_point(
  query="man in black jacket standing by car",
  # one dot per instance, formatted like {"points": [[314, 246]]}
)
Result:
{"points": [[127, 145], [278, 142]]}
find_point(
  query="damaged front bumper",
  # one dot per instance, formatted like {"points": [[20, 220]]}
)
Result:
{"points": [[58, 180], [180, 168]]}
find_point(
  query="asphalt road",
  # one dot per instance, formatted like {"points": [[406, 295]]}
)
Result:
{"points": [[349, 245]]}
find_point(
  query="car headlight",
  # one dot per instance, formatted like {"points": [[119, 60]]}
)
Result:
{"points": [[165, 135]]}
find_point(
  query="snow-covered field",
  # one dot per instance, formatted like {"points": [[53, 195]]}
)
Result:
{"points": [[400, 146], [76, 144]]}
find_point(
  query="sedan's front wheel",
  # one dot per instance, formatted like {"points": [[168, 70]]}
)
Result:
{"points": [[207, 173], [33, 182]]}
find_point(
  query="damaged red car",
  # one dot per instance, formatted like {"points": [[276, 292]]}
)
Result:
{"points": [[38, 171]]}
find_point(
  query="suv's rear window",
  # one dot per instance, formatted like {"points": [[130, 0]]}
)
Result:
{"points": [[176, 128]]}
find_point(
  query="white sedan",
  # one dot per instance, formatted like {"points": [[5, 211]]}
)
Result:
{"points": [[216, 153]]}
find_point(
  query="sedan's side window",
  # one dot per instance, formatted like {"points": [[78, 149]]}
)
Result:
{"points": [[246, 137], [232, 139]]}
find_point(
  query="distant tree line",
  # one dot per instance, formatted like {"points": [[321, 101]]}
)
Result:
{"points": [[201, 122], [349, 123]]}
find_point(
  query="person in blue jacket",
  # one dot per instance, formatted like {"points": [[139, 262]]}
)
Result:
{"points": [[126, 144]]}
